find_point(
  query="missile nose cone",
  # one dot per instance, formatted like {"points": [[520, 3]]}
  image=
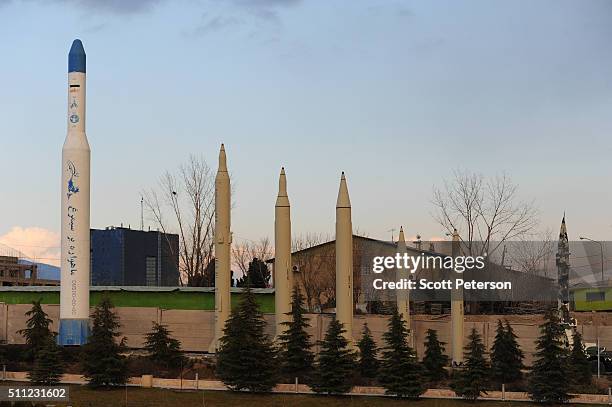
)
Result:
{"points": [[343, 197], [401, 238], [282, 200], [222, 159], [282, 183], [76, 57]]}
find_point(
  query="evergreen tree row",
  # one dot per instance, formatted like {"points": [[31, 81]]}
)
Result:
{"points": [[102, 358], [557, 370], [245, 349], [249, 360], [395, 366]]}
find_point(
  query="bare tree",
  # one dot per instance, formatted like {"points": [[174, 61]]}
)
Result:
{"points": [[184, 203], [316, 270], [533, 256], [485, 212], [245, 252]]}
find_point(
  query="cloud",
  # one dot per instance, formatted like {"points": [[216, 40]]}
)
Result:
{"points": [[95, 28], [388, 8], [404, 12], [254, 14], [120, 7], [214, 24], [37, 244], [267, 3], [266, 10]]}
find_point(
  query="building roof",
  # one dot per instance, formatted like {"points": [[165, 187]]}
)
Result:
{"points": [[369, 239], [595, 284]]}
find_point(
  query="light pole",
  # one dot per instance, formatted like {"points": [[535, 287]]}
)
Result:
{"points": [[597, 342], [602, 256]]}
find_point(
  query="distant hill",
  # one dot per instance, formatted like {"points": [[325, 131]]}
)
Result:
{"points": [[45, 271]]}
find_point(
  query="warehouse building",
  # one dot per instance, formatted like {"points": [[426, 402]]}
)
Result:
{"points": [[125, 257]]}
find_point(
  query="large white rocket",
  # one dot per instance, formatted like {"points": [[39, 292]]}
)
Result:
{"points": [[344, 261], [75, 256], [403, 298], [283, 272], [223, 243], [457, 317]]}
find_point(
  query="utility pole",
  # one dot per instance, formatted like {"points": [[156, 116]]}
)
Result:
{"points": [[142, 213]]}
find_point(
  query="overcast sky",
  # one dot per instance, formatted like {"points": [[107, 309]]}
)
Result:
{"points": [[395, 93]]}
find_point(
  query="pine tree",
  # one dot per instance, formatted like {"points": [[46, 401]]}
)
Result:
{"points": [[37, 331], [549, 381], [48, 366], [257, 276], [334, 369], [506, 355], [434, 360], [162, 347], [296, 355], [471, 381], [579, 365], [103, 363], [400, 372], [246, 359], [368, 363]]}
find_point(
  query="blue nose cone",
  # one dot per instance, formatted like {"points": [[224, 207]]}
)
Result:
{"points": [[76, 57]]}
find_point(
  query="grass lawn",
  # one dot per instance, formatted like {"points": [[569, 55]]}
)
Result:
{"points": [[82, 396]]}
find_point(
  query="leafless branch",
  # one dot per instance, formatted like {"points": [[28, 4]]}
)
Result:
{"points": [[183, 203], [485, 212]]}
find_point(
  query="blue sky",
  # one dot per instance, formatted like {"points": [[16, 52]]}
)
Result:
{"points": [[395, 93]]}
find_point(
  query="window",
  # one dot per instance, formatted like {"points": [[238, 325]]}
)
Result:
{"points": [[151, 271], [596, 296]]}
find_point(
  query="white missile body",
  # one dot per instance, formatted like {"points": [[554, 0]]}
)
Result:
{"points": [[75, 238], [283, 272], [344, 261], [223, 243], [403, 298], [456, 311]]}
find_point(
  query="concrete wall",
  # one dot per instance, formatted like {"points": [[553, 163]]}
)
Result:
{"points": [[195, 328]]}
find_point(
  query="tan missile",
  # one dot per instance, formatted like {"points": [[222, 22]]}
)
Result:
{"points": [[283, 273], [223, 242], [456, 311], [403, 299], [344, 261]]}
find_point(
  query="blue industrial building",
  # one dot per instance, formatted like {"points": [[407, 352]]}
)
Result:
{"points": [[126, 257]]}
